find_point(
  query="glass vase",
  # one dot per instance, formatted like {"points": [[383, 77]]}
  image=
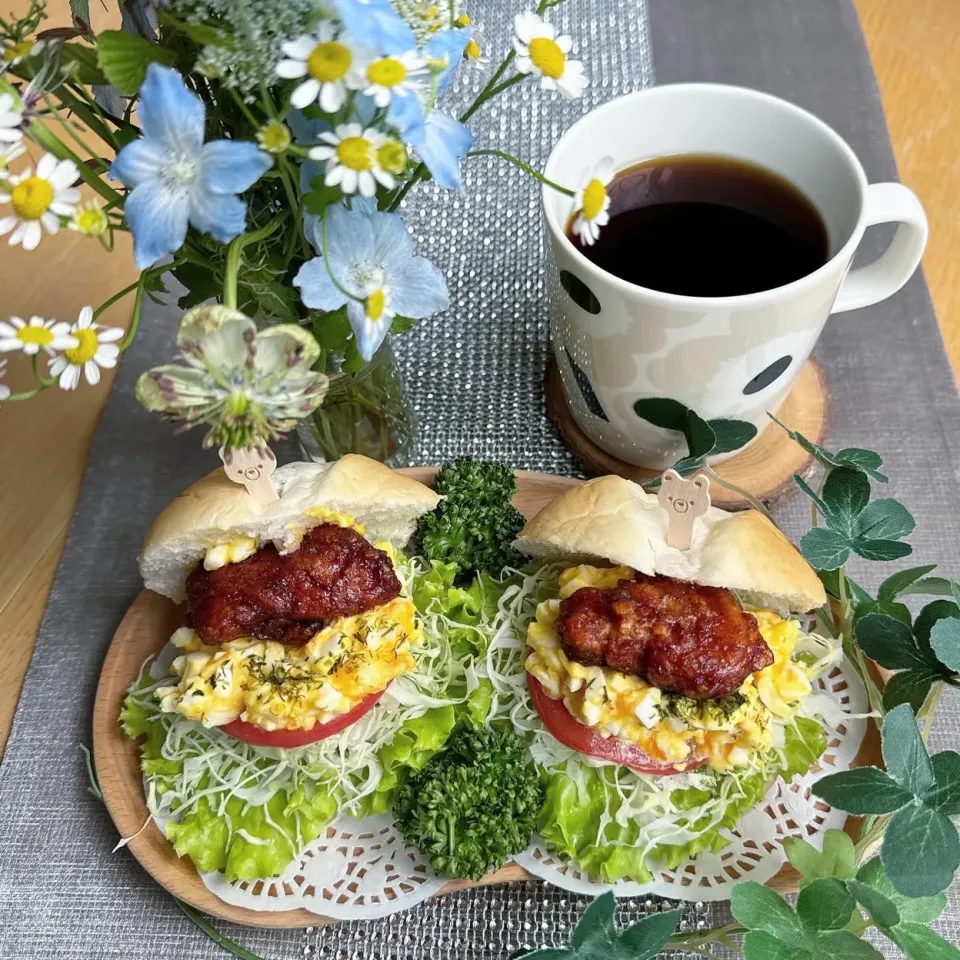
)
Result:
{"points": [[365, 412]]}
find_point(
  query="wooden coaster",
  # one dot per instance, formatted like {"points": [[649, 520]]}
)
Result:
{"points": [[765, 469]]}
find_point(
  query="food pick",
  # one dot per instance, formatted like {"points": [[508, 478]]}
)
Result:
{"points": [[684, 501], [252, 466]]}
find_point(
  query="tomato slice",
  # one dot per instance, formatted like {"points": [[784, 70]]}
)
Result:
{"points": [[256, 735], [578, 736]]}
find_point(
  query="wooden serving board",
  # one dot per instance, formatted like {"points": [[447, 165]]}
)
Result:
{"points": [[144, 631]]}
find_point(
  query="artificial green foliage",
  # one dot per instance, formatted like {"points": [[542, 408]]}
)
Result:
{"points": [[475, 524], [837, 858], [596, 936], [124, 59], [473, 805], [866, 461], [921, 848]]}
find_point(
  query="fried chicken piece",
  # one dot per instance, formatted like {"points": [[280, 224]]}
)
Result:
{"points": [[679, 636], [335, 572]]}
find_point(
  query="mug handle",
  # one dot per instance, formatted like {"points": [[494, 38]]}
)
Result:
{"points": [[887, 203]]}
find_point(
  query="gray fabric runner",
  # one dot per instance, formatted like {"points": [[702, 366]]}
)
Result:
{"points": [[474, 376]]}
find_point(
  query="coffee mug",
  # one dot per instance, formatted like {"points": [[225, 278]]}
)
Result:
{"points": [[735, 357]]}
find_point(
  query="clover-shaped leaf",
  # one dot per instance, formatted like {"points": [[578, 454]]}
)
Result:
{"points": [[921, 848], [855, 458], [945, 641], [836, 859]]}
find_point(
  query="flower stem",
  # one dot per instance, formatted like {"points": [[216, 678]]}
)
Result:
{"points": [[137, 306], [749, 497], [110, 301], [326, 262], [232, 268], [525, 167]]}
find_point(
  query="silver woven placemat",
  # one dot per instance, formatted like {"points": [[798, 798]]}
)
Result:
{"points": [[474, 376]]}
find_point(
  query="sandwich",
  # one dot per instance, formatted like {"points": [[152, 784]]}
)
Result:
{"points": [[667, 688], [301, 680]]}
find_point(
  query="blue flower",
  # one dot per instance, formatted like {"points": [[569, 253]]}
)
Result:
{"points": [[177, 178], [377, 275], [447, 47], [439, 139], [375, 23]]}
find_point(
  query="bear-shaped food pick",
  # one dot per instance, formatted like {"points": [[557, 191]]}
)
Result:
{"points": [[252, 467], [684, 501]]}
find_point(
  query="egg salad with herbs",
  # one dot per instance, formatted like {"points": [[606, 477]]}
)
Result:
{"points": [[279, 687], [669, 727]]}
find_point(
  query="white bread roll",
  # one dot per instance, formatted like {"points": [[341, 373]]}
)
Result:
{"points": [[215, 508], [612, 519]]}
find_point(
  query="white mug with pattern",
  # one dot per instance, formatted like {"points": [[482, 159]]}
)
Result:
{"points": [[731, 357]]}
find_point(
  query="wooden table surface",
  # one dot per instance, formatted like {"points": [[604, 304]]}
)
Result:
{"points": [[45, 441]]}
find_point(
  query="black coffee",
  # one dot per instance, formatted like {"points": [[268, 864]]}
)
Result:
{"points": [[707, 226]]}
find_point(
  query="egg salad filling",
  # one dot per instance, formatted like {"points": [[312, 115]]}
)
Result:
{"points": [[669, 727], [279, 687]]}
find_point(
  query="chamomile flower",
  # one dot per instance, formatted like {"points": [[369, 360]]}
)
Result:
{"points": [[351, 155], [89, 219], [40, 198], [542, 53], [592, 202], [14, 52], [95, 348], [324, 61], [11, 117], [8, 155], [390, 160], [4, 389], [274, 137], [397, 75], [36, 335]]}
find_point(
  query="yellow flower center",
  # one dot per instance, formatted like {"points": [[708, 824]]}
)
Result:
{"points": [[392, 156], [355, 153], [472, 50], [375, 304], [79, 355], [329, 61], [594, 196], [41, 336], [17, 50], [92, 222], [387, 72], [275, 137], [547, 57], [464, 20], [32, 198]]}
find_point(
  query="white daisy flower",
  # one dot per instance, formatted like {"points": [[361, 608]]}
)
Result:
{"points": [[95, 349], [389, 159], [4, 389], [274, 137], [323, 59], [90, 219], [11, 116], [39, 334], [351, 156], [40, 198], [473, 52], [397, 75], [7, 155], [592, 202], [377, 312], [542, 53]]}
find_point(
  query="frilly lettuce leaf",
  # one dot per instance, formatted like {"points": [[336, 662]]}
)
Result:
{"points": [[804, 743]]}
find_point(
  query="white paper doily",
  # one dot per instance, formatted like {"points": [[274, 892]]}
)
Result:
{"points": [[362, 869]]}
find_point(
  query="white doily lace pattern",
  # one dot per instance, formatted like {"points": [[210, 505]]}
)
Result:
{"points": [[361, 869]]}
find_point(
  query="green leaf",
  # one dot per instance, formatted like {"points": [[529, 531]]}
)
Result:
{"points": [[882, 550], [701, 439], [837, 859], [124, 59], [825, 904], [662, 412], [810, 492], [352, 360], [930, 615], [844, 945], [919, 942], [888, 608], [804, 744], [320, 196], [862, 790], [845, 494], [883, 912], [913, 909], [332, 330], [202, 33], [904, 753], [921, 851], [80, 10], [897, 583], [831, 582], [825, 549], [647, 937], [945, 794], [689, 465], [758, 945], [731, 434], [401, 324], [887, 641], [759, 908], [885, 519], [908, 687], [200, 282], [596, 920], [83, 63], [931, 587], [866, 460], [945, 640]]}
